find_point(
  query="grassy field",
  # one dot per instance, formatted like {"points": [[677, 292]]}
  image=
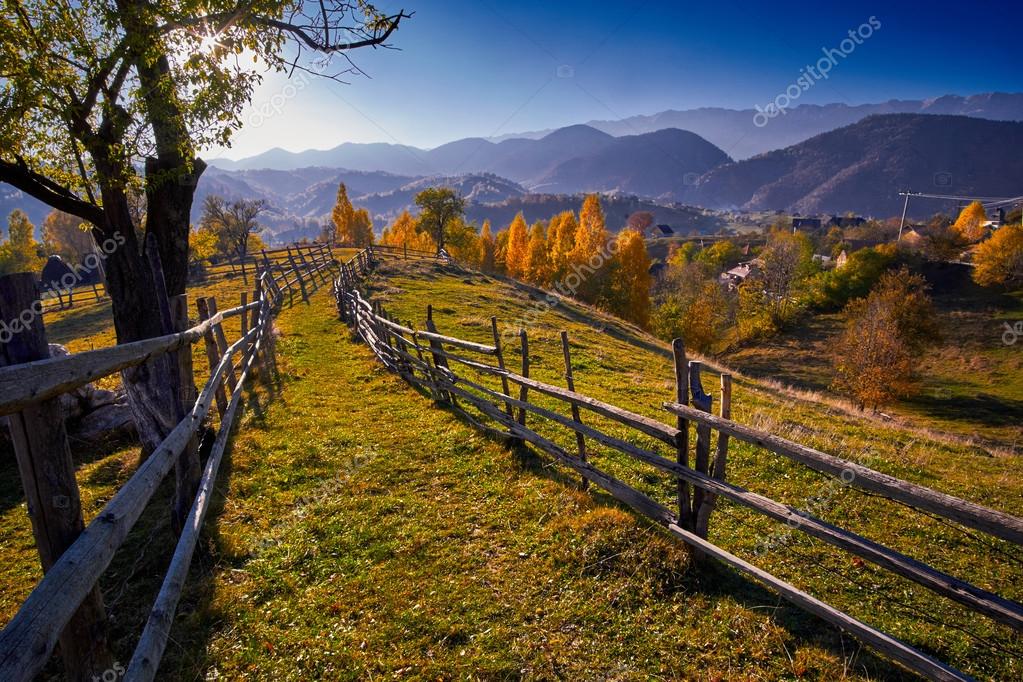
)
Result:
{"points": [[971, 381], [364, 532]]}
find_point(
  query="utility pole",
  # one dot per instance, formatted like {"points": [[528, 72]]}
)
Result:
{"points": [[905, 207]]}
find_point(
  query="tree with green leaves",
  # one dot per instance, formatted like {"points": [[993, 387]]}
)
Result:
{"points": [[439, 207], [101, 100], [233, 223]]}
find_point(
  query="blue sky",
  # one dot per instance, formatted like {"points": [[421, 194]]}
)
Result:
{"points": [[485, 68]]}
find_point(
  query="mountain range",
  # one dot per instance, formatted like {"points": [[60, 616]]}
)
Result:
{"points": [[862, 167], [732, 130]]}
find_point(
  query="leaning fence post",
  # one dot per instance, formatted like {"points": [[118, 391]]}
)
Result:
{"points": [[580, 439], [717, 470], [500, 363], [678, 352], [218, 334], [523, 389], [298, 274], [48, 475], [187, 470], [212, 354], [439, 360], [701, 401]]}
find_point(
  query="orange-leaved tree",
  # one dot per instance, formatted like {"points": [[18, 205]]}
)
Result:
{"points": [[999, 260], [352, 227], [404, 232], [589, 255], [560, 240], [970, 223], [518, 243], [488, 249], [876, 356], [536, 268]]}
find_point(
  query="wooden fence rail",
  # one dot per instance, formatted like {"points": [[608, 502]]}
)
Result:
{"points": [[424, 358], [28, 640]]}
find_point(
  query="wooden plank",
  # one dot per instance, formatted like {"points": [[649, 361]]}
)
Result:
{"points": [[145, 661], [650, 427], [47, 474], [31, 382], [982, 601], [996, 523], [28, 640], [891, 647], [895, 649], [459, 343]]}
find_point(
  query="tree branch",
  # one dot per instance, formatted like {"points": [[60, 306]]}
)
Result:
{"points": [[18, 174]]}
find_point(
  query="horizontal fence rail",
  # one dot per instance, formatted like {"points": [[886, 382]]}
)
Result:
{"points": [[426, 358], [29, 639]]}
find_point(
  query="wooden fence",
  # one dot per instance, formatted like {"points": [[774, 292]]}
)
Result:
{"points": [[278, 260], [427, 359], [65, 605]]}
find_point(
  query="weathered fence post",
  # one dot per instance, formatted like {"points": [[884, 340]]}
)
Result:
{"points": [[499, 354], [523, 389], [580, 439], [701, 401], [298, 274], [212, 354], [439, 361], [48, 474], [678, 352], [717, 470], [222, 345]]}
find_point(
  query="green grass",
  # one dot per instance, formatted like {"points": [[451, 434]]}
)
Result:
{"points": [[361, 531]]}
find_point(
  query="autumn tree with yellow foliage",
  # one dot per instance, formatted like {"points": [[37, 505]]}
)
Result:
{"points": [[970, 223], [629, 291], [352, 227], [587, 256], [537, 266], [518, 244], [999, 260], [488, 250], [560, 240], [404, 232]]}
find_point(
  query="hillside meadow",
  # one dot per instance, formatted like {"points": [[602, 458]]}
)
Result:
{"points": [[363, 531]]}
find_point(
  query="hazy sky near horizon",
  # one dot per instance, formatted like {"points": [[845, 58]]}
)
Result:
{"points": [[482, 68]]}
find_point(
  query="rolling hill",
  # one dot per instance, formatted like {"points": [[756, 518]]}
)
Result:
{"points": [[862, 167]]}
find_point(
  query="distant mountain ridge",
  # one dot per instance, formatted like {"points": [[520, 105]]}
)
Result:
{"points": [[862, 167], [732, 130]]}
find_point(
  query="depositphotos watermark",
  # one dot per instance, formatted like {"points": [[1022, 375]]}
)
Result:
{"points": [[568, 286], [1012, 333], [814, 505], [90, 264], [809, 75]]}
